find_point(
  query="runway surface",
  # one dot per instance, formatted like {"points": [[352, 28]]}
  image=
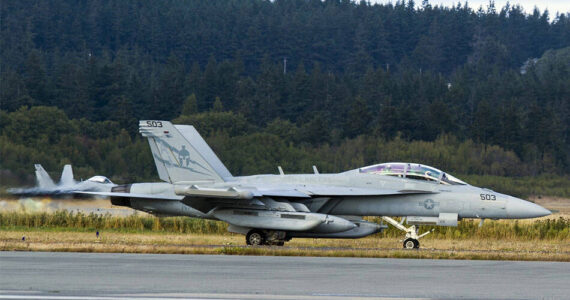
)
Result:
{"points": [[41, 275]]}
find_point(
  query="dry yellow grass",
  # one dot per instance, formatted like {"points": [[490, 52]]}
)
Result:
{"points": [[548, 250]]}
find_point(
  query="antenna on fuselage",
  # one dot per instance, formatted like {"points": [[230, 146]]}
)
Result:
{"points": [[280, 170], [315, 170]]}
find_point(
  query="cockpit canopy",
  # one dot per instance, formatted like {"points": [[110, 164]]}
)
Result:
{"points": [[412, 171], [100, 179]]}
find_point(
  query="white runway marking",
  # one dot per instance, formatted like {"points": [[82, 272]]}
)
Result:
{"points": [[197, 297], [36, 297]]}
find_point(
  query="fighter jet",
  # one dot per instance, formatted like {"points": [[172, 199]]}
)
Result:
{"points": [[67, 186], [272, 209]]}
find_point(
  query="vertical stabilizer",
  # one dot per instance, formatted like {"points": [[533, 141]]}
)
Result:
{"points": [[158, 161], [181, 154], [42, 177], [67, 176]]}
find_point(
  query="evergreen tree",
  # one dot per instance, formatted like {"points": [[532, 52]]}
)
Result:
{"points": [[358, 120], [217, 106], [190, 106]]}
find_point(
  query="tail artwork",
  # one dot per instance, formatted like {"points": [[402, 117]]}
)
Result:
{"points": [[181, 154], [67, 176], [43, 178]]}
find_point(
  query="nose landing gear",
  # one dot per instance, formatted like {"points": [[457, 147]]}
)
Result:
{"points": [[410, 243], [411, 240]]}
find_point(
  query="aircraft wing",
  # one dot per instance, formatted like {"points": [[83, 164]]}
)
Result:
{"points": [[305, 191], [133, 195], [205, 199], [248, 193]]}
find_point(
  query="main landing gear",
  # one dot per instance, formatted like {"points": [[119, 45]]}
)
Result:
{"points": [[257, 237], [412, 238]]}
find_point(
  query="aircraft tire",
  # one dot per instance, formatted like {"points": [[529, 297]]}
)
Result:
{"points": [[255, 237], [410, 243]]}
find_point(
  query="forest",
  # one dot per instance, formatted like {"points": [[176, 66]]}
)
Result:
{"points": [[296, 83]]}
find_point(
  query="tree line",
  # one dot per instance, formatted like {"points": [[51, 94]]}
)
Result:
{"points": [[361, 84]]}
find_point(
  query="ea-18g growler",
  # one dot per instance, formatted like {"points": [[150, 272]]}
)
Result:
{"points": [[273, 209]]}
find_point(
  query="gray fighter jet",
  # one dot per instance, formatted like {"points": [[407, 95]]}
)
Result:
{"points": [[272, 209], [67, 186]]}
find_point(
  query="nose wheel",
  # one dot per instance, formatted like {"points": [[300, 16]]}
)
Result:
{"points": [[411, 240], [410, 243]]}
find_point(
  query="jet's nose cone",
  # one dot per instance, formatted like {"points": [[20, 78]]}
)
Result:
{"points": [[522, 209]]}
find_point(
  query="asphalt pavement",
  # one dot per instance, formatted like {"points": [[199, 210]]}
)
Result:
{"points": [[45, 275]]}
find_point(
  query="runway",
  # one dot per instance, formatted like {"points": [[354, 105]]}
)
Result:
{"points": [[44, 275]]}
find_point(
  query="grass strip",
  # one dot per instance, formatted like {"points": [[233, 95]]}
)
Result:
{"points": [[116, 242]]}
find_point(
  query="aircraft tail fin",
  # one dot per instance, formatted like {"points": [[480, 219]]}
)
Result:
{"points": [[67, 176], [181, 154], [42, 177]]}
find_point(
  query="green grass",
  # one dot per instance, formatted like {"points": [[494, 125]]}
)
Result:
{"points": [[133, 223], [546, 228]]}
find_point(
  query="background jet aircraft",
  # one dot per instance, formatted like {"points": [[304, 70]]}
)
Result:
{"points": [[66, 186], [272, 209]]}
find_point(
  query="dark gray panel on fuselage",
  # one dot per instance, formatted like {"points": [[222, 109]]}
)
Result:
{"points": [[405, 205]]}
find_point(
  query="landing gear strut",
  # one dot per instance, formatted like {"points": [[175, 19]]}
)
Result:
{"points": [[412, 238]]}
